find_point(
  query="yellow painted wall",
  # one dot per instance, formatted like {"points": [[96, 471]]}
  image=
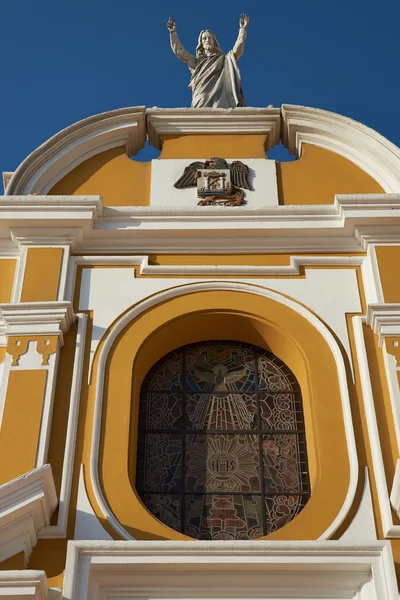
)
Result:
{"points": [[42, 274], [206, 146], [19, 435], [318, 175], [314, 178], [112, 175], [7, 272], [388, 258]]}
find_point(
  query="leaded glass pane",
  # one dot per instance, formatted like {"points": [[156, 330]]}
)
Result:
{"points": [[166, 507], [282, 463], [161, 410], [220, 368], [281, 411], [274, 375], [282, 509], [167, 374], [221, 411], [223, 517], [161, 469], [222, 463], [222, 452]]}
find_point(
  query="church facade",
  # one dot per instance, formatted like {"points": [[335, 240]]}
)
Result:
{"points": [[199, 359]]}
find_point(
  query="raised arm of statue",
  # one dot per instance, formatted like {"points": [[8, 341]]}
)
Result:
{"points": [[238, 48], [177, 47]]}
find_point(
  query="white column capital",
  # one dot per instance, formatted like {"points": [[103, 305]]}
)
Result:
{"points": [[36, 318], [384, 320]]}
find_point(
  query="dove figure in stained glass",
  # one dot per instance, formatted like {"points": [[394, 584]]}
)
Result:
{"points": [[220, 376]]}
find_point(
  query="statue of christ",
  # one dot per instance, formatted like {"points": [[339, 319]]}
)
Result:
{"points": [[215, 80]]}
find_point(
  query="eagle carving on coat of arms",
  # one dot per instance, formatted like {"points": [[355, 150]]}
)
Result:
{"points": [[217, 183]]}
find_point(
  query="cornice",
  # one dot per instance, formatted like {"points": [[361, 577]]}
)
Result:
{"points": [[26, 585], [384, 320], [282, 569], [46, 165], [350, 224], [36, 318], [162, 121], [356, 142], [7, 178], [47, 220], [26, 506]]}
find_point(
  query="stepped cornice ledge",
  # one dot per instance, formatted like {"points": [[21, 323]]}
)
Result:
{"points": [[348, 225], [184, 121], [26, 585]]}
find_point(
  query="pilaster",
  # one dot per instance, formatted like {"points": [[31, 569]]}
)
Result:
{"points": [[33, 333]]}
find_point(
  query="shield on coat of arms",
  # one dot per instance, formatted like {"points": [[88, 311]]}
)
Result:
{"points": [[213, 183]]}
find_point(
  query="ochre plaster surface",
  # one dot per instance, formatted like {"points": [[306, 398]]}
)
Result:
{"points": [[314, 178], [120, 180], [318, 175], [388, 258], [19, 435], [42, 274], [206, 146], [7, 272]]}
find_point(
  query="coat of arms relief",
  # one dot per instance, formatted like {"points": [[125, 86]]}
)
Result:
{"points": [[217, 183]]}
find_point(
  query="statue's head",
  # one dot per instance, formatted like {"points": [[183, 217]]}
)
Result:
{"points": [[207, 44]]}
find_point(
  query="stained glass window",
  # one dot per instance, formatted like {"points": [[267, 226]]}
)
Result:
{"points": [[222, 450]]}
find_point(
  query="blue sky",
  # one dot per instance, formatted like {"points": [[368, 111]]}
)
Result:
{"points": [[63, 60]]}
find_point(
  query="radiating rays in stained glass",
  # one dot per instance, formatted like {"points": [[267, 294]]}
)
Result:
{"points": [[221, 411], [222, 451], [222, 463]]}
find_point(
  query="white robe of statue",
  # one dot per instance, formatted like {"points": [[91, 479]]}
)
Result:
{"points": [[215, 80]]}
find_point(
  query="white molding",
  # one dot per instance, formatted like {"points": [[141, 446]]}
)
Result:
{"points": [[47, 220], [51, 161], [185, 121], [395, 493], [26, 506], [60, 530], [36, 318], [350, 224], [48, 405], [7, 178], [26, 585], [384, 320], [294, 268], [390, 530], [182, 290], [188, 570], [358, 143], [372, 277], [392, 369], [362, 527]]}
